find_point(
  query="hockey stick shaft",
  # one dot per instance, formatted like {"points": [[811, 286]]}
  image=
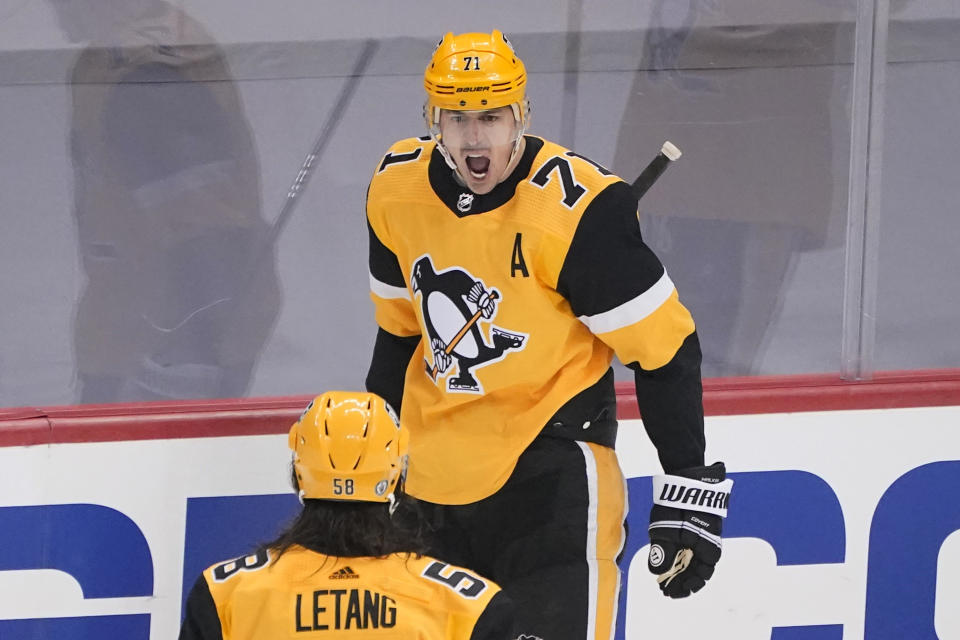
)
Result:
{"points": [[323, 138], [668, 153], [463, 331], [264, 249]]}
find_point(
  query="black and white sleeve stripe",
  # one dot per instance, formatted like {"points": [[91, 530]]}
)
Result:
{"points": [[612, 280], [386, 277], [610, 277]]}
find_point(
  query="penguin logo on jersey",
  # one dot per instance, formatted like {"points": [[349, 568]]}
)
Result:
{"points": [[454, 306]]}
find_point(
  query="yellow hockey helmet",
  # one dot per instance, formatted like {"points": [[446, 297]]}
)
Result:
{"points": [[473, 72], [348, 445]]}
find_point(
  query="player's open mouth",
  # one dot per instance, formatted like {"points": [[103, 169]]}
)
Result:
{"points": [[478, 166]]}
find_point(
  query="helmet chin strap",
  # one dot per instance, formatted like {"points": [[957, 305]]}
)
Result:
{"points": [[513, 156], [523, 121], [446, 154]]}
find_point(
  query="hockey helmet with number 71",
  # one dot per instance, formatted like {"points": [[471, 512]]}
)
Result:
{"points": [[348, 445], [475, 72]]}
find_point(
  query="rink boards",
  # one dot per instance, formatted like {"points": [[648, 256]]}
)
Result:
{"points": [[843, 524]]}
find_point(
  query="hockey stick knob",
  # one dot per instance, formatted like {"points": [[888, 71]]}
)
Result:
{"points": [[670, 150]]}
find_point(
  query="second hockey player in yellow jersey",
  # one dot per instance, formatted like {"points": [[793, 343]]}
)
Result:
{"points": [[345, 569]]}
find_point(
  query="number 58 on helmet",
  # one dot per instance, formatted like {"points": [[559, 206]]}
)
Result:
{"points": [[348, 446]]}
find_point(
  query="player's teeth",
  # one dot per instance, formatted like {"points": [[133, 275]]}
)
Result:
{"points": [[483, 160]]}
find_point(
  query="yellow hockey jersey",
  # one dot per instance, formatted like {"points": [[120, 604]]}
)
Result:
{"points": [[303, 594], [521, 297]]}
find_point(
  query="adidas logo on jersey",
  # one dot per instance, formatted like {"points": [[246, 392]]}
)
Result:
{"points": [[344, 574]]}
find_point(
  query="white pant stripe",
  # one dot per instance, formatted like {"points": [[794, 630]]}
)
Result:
{"points": [[593, 524]]}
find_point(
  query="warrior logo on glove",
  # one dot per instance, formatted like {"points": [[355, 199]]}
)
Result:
{"points": [[685, 525], [453, 304], [656, 555]]}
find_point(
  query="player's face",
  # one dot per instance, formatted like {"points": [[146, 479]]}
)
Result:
{"points": [[480, 142]]}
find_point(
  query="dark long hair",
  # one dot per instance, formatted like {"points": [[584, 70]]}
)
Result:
{"points": [[348, 529]]}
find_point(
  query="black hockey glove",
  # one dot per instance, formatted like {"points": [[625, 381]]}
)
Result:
{"points": [[685, 523]]}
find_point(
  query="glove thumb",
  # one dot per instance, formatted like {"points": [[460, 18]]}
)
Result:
{"points": [[660, 558]]}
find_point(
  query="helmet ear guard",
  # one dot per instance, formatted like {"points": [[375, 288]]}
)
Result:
{"points": [[348, 446]]}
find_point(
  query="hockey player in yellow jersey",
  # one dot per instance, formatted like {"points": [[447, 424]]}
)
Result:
{"points": [[345, 569], [506, 272]]}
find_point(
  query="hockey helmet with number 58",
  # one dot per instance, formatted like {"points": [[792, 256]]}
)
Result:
{"points": [[348, 445]]}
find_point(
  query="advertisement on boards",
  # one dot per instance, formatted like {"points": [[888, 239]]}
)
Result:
{"points": [[842, 525]]}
